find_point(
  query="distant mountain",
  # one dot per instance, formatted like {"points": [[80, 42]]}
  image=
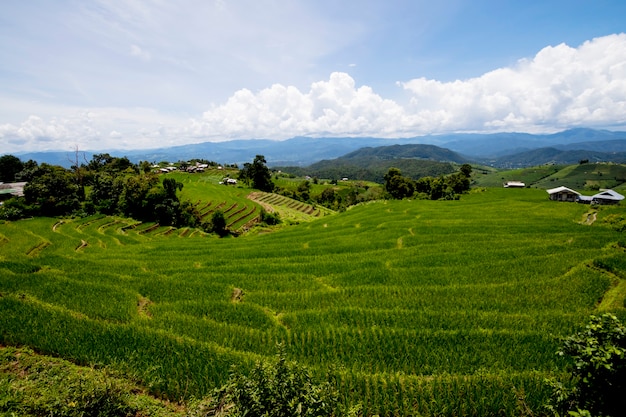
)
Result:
{"points": [[617, 145], [304, 151], [500, 144], [419, 151], [552, 155], [372, 163]]}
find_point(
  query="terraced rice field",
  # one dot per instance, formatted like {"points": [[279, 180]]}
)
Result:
{"points": [[413, 307]]}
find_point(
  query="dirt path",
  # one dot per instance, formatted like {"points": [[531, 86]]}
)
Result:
{"points": [[591, 218]]}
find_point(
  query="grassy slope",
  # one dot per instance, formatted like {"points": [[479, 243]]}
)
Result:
{"points": [[584, 178], [36, 385], [410, 302]]}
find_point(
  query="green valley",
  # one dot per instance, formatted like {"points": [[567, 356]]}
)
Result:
{"points": [[412, 307]]}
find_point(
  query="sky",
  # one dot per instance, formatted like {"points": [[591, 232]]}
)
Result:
{"points": [[129, 74]]}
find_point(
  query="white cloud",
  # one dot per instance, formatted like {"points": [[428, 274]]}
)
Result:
{"points": [[560, 87], [136, 51]]}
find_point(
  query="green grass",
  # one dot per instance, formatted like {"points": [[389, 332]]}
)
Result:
{"points": [[416, 307], [585, 178], [38, 385], [485, 177]]}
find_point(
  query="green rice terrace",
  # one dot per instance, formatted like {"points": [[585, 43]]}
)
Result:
{"points": [[411, 307]]}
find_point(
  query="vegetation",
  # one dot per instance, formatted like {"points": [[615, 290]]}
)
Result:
{"points": [[371, 164], [447, 188], [34, 385], [598, 372], [278, 389], [413, 307], [583, 177], [10, 166], [257, 174], [407, 304]]}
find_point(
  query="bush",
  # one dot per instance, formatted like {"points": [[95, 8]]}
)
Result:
{"points": [[278, 389], [218, 223], [270, 219], [598, 374]]}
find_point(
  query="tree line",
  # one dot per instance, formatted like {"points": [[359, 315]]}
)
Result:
{"points": [[116, 187], [447, 187]]}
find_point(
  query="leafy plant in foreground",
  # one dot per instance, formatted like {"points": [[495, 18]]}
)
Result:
{"points": [[277, 389], [599, 370]]}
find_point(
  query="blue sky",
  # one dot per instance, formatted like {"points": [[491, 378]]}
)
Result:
{"points": [[121, 74]]}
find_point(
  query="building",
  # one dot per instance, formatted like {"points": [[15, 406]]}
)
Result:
{"points": [[563, 194], [514, 184], [13, 189], [607, 197]]}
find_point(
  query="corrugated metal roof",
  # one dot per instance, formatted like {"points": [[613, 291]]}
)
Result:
{"points": [[609, 195], [561, 189]]}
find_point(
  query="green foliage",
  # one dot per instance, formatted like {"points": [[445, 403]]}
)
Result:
{"points": [[278, 389], [270, 219], [218, 223], [419, 307], [35, 385], [617, 221], [397, 186], [10, 166], [52, 191], [14, 209], [257, 174], [372, 168], [598, 371]]}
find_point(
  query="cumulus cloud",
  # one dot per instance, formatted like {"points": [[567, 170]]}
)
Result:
{"points": [[334, 107], [560, 87]]}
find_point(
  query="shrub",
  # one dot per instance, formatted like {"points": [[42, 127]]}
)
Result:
{"points": [[270, 219], [278, 389], [598, 374]]}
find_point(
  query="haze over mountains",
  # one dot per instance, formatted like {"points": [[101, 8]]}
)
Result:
{"points": [[497, 149]]}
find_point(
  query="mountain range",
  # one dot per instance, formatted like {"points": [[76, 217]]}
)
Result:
{"points": [[496, 149]]}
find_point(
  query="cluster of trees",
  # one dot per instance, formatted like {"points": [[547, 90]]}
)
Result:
{"points": [[434, 188], [116, 187], [257, 174]]}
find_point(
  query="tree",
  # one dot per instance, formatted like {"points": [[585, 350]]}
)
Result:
{"points": [[52, 191], [10, 166], [304, 191], [398, 186], [260, 174], [466, 169], [105, 192], [598, 370], [218, 223], [133, 200]]}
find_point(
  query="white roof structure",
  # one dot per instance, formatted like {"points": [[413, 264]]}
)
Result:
{"points": [[608, 195], [562, 189], [514, 184]]}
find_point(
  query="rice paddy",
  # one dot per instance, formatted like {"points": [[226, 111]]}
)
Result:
{"points": [[413, 307]]}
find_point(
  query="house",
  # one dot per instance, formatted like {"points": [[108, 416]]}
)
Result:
{"points": [[607, 197], [514, 184], [563, 194], [14, 189]]}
